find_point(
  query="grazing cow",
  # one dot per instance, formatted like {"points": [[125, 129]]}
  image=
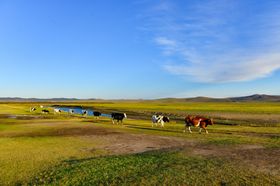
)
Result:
{"points": [[118, 117], [159, 119], [71, 111], [45, 111], [56, 110], [32, 109], [96, 114], [41, 106], [84, 112], [197, 121]]}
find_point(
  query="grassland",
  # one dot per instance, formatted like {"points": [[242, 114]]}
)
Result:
{"points": [[242, 148]]}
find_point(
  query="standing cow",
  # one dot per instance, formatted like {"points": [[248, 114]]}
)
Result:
{"points": [[96, 114], [32, 109], [56, 110], [45, 111], [84, 112], [198, 121], [159, 119], [118, 117], [71, 111]]}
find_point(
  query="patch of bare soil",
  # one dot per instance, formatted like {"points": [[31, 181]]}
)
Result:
{"points": [[125, 143]]}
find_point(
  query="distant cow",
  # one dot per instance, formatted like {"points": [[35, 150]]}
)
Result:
{"points": [[159, 119], [56, 110], [71, 111], [96, 114], [197, 121], [45, 111], [41, 106], [84, 112], [118, 117], [32, 109]]}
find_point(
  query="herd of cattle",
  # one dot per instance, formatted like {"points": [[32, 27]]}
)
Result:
{"points": [[195, 121]]}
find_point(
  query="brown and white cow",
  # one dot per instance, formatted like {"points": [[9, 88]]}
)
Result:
{"points": [[198, 121]]}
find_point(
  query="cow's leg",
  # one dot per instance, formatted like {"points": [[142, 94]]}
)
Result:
{"points": [[162, 124], [206, 131], [203, 127], [190, 129], [113, 121]]}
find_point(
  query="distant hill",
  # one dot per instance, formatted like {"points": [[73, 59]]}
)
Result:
{"points": [[257, 97], [251, 98]]}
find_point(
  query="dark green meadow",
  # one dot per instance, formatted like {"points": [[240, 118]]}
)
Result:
{"points": [[242, 147]]}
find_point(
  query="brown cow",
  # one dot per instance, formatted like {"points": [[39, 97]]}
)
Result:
{"points": [[197, 121]]}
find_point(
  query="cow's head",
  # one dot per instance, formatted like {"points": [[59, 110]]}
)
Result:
{"points": [[125, 115], [210, 122], [165, 119]]}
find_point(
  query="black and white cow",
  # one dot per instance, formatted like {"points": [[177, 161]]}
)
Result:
{"points": [[84, 112], [118, 117], [159, 119], [96, 114], [45, 111], [57, 110], [32, 109], [71, 111]]}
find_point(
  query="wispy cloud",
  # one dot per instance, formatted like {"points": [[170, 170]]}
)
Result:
{"points": [[218, 41]]}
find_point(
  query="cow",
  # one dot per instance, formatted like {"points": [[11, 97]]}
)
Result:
{"points": [[32, 109], [41, 106], [118, 117], [159, 119], [198, 121], [84, 112], [45, 111], [71, 111], [96, 114], [56, 110]]}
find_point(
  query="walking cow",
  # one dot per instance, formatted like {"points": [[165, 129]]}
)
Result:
{"points": [[159, 119], [96, 114], [118, 117], [198, 121]]}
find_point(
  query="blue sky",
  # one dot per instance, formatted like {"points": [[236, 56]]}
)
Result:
{"points": [[139, 49]]}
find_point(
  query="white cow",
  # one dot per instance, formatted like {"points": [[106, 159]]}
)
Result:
{"points": [[84, 112], [71, 111], [56, 110], [159, 119], [32, 109]]}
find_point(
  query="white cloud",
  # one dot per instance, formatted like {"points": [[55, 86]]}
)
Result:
{"points": [[232, 71], [169, 46], [219, 41]]}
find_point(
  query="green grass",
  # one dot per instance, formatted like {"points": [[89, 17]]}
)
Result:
{"points": [[235, 107], [21, 158], [156, 168], [34, 148]]}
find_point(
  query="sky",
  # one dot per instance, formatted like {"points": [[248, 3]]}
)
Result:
{"points": [[132, 49]]}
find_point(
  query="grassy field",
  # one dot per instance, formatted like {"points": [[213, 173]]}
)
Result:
{"points": [[242, 147]]}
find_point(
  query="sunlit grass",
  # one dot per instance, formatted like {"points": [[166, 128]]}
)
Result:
{"points": [[34, 147], [22, 158], [157, 168]]}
